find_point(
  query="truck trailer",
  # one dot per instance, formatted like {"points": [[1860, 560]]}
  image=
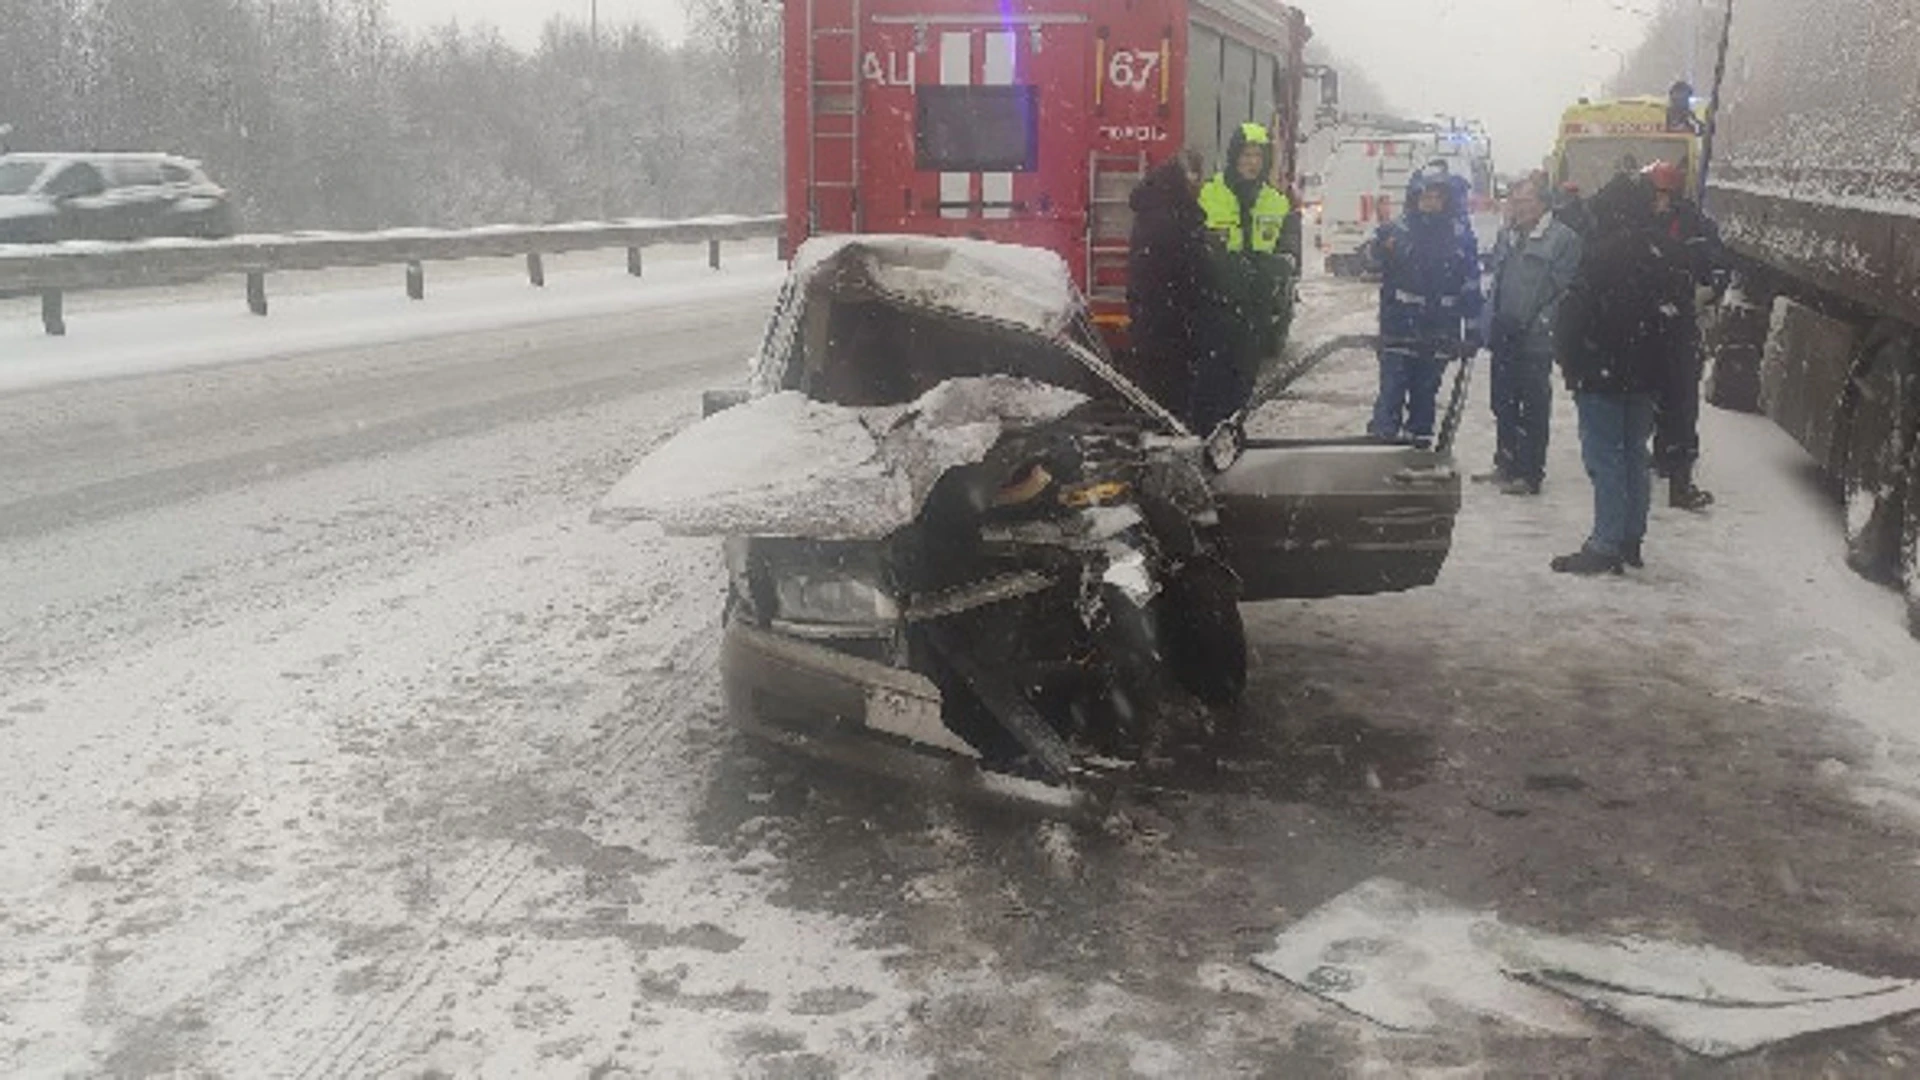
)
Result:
{"points": [[1815, 181]]}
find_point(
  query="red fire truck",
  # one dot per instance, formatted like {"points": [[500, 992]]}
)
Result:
{"points": [[1025, 121]]}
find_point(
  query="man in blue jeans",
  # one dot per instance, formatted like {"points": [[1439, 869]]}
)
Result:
{"points": [[1534, 264], [1611, 344], [1429, 305]]}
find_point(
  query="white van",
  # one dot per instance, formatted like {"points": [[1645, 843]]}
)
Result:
{"points": [[1365, 182]]}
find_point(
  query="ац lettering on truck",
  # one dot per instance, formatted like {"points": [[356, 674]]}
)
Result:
{"points": [[1024, 121], [1815, 181]]}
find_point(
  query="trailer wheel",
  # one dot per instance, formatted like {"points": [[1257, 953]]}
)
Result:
{"points": [[1878, 416]]}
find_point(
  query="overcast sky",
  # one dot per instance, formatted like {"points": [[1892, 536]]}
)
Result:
{"points": [[1513, 63]]}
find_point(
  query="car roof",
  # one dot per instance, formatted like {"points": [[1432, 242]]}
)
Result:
{"points": [[1029, 288]]}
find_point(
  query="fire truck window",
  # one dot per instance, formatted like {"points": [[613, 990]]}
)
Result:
{"points": [[977, 129], [1265, 102], [1203, 95], [1236, 89]]}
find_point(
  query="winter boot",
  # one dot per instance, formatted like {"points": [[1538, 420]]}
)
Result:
{"points": [[1682, 495], [1588, 563], [1631, 555]]}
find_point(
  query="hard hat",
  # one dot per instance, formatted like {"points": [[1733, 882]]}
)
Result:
{"points": [[1665, 176], [1255, 134]]}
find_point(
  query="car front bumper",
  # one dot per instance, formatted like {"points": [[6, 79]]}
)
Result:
{"points": [[860, 713]]}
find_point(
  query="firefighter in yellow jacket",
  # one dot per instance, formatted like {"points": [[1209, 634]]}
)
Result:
{"points": [[1256, 240]]}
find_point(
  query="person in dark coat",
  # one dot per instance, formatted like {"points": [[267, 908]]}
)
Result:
{"points": [[1430, 306], [1173, 304], [1689, 241], [1611, 347], [1570, 209]]}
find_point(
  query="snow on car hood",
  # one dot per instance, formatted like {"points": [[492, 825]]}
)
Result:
{"points": [[785, 465]]}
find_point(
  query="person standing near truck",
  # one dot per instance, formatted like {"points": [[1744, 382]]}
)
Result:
{"points": [[1255, 243], [1534, 263], [1174, 307], [1689, 244], [1609, 341], [1430, 306]]}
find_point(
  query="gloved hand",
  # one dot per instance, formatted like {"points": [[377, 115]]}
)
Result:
{"points": [[1704, 297]]}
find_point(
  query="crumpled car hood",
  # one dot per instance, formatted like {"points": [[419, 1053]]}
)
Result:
{"points": [[785, 465]]}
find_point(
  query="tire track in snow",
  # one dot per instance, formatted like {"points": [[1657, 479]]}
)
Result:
{"points": [[352, 1046]]}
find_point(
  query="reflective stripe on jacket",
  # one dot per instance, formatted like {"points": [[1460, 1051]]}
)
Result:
{"points": [[1225, 220]]}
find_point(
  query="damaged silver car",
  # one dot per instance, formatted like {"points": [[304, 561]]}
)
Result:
{"points": [[965, 549]]}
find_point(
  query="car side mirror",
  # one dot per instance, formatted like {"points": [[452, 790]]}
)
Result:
{"points": [[1224, 446], [719, 401]]}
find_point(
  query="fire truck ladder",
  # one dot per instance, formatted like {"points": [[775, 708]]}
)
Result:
{"points": [[1111, 179], [833, 116]]}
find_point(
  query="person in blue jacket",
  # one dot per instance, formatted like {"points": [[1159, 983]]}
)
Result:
{"points": [[1430, 306]]}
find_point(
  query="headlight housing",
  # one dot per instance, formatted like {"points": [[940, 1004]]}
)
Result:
{"points": [[833, 598]]}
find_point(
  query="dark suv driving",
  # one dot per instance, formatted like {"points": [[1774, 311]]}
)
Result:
{"points": [[52, 197]]}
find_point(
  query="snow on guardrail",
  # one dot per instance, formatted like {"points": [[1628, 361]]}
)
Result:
{"points": [[51, 270]]}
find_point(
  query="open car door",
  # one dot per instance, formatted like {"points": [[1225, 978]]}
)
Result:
{"points": [[1335, 517], [1313, 518]]}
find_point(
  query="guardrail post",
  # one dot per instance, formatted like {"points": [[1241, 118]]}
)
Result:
{"points": [[713, 254], [633, 261], [416, 281], [53, 312], [536, 270], [257, 292]]}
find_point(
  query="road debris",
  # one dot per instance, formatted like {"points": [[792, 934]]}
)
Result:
{"points": [[1406, 959]]}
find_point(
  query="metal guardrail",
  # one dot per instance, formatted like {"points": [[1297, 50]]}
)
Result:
{"points": [[56, 269]]}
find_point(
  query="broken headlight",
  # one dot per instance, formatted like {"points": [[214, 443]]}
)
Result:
{"points": [[833, 598]]}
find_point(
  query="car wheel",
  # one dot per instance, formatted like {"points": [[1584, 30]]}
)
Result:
{"points": [[1204, 637], [1879, 428]]}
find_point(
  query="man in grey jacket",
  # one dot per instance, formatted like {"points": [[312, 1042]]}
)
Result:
{"points": [[1533, 263]]}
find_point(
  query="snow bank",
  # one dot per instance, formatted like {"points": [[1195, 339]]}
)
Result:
{"points": [[785, 465]]}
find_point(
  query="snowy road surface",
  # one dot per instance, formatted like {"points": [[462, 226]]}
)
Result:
{"points": [[341, 743]]}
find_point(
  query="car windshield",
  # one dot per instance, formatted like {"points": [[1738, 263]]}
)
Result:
{"points": [[888, 354], [17, 177]]}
